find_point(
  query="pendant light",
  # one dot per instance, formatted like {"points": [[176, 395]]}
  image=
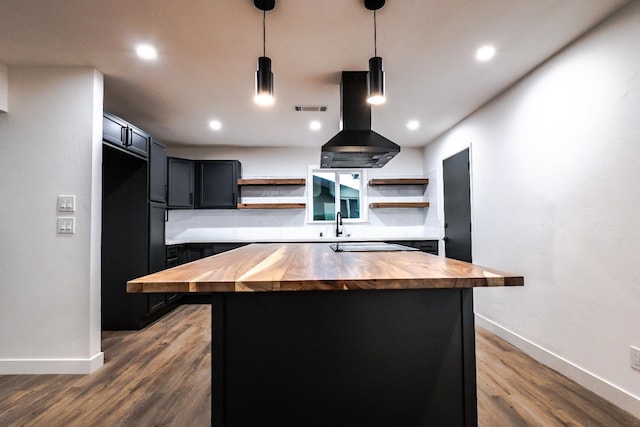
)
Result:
{"points": [[376, 68], [264, 76]]}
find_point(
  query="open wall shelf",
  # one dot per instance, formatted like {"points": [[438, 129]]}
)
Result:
{"points": [[272, 181], [263, 182], [399, 205], [399, 181], [271, 205]]}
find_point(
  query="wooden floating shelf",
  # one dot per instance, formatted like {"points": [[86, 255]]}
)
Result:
{"points": [[271, 205], [399, 181], [272, 181], [399, 205]]}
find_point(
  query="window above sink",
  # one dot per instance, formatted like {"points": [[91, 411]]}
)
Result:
{"points": [[329, 188]]}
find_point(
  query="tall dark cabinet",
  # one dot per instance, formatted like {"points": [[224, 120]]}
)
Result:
{"points": [[133, 229]]}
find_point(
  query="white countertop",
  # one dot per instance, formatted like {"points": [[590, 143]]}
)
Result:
{"points": [[203, 235]]}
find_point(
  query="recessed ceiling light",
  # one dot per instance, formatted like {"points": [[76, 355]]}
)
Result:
{"points": [[485, 53], [413, 124], [146, 51], [215, 124], [315, 125]]}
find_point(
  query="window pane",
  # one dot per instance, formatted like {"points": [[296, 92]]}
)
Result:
{"points": [[350, 195], [324, 196]]}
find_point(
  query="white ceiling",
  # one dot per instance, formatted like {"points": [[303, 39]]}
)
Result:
{"points": [[208, 51]]}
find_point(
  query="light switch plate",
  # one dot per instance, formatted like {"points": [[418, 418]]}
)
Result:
{"points": [[635, 358], [66, 225], [66, 203]]}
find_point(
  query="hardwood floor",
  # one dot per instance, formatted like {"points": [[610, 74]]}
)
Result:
{"points": [[161, 377], [516, 390]]}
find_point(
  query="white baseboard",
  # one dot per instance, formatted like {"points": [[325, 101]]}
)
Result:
{"points": [[619, 397], [51, 366]]}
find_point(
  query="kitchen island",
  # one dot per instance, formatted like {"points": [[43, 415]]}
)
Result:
{"points": [[305, 336]]}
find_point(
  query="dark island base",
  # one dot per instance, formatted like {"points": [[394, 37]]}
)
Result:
{"points": [[356, 358]]}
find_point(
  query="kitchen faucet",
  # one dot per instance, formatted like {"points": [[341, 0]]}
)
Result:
{"points": [[338, 224]]}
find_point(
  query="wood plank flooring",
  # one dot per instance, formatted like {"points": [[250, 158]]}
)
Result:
{"points": [[161, 377]]}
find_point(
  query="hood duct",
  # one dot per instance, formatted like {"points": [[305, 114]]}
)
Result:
{"points": [[356, 145]]}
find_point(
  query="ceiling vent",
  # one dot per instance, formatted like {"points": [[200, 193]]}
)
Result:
{"points": [[320, 108]]}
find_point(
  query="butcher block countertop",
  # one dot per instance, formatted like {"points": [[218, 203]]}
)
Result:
{"points": [[316, 267]]}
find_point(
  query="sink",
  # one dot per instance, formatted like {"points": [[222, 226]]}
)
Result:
{"points": [[369, 247]]}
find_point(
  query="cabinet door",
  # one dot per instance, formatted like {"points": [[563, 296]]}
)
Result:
{"points": [[219, 248], [156, 302], [180, 183], [217, 184], [429, 246], [157, 172], [124, 135], [138, 141], [157, 250], [114, 130]]}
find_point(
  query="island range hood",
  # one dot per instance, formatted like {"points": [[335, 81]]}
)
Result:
{"points": [[356, 145]]}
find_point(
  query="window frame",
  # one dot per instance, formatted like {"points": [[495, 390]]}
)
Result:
{"points": [[364, 206]]}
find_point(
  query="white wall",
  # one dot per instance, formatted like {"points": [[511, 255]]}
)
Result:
{"points": [[251, 224], [556, 196], [50, 145]]}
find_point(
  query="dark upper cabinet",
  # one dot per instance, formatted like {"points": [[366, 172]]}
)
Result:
{"points": [[124, 135], [157, 172], [217, 184], [180, 183]]}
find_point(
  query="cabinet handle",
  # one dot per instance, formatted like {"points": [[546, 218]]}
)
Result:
{"points": [[129, 137], [166, 215]]}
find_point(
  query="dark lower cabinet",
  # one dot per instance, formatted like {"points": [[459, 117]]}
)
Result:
{"points": [[428, 246], [181, 254], [362, 358]]}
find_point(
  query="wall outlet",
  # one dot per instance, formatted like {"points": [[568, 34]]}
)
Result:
{"points": [[635, 358]]}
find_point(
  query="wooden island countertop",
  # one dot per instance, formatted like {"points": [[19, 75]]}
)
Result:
{"points": [[315, 266]]}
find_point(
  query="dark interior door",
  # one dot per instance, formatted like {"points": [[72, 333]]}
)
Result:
{"points": [[457, 206]]}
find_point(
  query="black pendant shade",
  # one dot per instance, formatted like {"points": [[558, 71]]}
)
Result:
{"points": [[375, 77], [264, 75], [376, 81], [264, 82]]}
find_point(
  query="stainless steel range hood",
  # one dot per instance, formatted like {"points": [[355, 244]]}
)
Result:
{"points": [[356, 145]]}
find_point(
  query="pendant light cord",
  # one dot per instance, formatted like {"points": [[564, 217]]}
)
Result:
{"points": [[375, 35], [264, 33]]}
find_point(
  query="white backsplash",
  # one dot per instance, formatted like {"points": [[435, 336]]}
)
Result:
{"points": [[224, 225]]}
